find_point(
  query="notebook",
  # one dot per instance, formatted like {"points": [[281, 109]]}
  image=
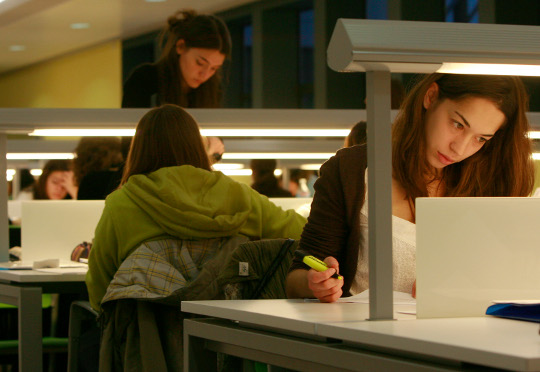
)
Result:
{"points": [[471, 251], [51, 229]]}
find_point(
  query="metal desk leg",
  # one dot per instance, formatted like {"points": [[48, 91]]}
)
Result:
{"points": [[196, 356], [30, 329]]}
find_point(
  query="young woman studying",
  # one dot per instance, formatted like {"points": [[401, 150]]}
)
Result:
{"points": [[455, 135], [168, 190]]}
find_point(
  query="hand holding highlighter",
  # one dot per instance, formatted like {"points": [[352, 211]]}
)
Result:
{"points": [[315, 263]]}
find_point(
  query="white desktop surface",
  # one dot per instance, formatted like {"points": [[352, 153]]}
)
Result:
{"points": [[290, 315], [23, 288], [487, 341], [33, 276]]}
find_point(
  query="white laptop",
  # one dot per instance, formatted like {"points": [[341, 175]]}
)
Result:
{"points": [[470, 251], [50, 229]]}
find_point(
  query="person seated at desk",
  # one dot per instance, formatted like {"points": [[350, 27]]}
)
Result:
{"points": [[455, 135], [169, 190], [264, 180], [56, 181], [357, 135], [96, 166]]}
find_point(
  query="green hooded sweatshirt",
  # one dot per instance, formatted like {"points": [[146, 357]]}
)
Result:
{"points": [[182, 202]]}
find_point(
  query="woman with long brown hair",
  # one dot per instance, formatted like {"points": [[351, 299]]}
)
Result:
{"points": [[188, 72], [455, 135], [168, 190]]}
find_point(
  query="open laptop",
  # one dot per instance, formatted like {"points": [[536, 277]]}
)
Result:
{"points": [[470, 251], [51, 229]]}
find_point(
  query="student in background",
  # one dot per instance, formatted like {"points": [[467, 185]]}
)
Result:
{"points": [[27, 184], [169, 190], [264, 180], [455, 135], [56, 181], [189, 70], [357, 136], [97, 160]]}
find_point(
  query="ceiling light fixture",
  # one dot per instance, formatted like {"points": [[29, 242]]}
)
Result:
{"points": [[205, 132], [275, 155], [38, 156]]}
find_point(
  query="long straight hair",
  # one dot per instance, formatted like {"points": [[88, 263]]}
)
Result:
{"points": [[502, 167], [166, 136], [197, 31]]}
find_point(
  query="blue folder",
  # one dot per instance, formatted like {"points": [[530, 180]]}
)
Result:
{"points": [[528, 312]]}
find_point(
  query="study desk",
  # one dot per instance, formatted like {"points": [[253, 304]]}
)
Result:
{"points": [[23, 288], [310, 336]]}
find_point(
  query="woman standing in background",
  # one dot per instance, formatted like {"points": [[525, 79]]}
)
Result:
{"points": [[188, 73]]}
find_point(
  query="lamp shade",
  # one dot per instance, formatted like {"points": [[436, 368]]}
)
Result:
{"points": [[426, 47]]}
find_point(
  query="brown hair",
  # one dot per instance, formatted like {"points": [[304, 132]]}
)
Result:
{"points": [[197, 31], [502, 167], [358, 135], [54, 165], [166, 136], [96, 154]]}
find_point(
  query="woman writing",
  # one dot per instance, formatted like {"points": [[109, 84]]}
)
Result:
{"points": [[168, 190], [455, 135]]}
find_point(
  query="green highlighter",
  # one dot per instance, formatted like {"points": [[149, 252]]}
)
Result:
{"points": [[314, 263]]}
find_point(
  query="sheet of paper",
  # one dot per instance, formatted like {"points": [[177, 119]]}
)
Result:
{"points": [[400, 298], [64, 270]]}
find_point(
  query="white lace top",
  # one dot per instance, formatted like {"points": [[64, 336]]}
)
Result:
{"points": [[403, 251]]}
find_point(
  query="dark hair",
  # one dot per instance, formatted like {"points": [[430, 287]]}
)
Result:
{"points": [[261, 168], [26, 180], [358, 135], [397, 93], [96, 154], [197, 31], [264, 181], [55, 165], [166, 136], [502, 167]]}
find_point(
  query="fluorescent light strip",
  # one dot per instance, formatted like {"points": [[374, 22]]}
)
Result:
{"points": [[83, 132], [489, 69], [210, 133], [38, 156], [227, 166], [275, 155], [311, 166], [236, 172], [276, 132], [205, 132], [536, 155]]}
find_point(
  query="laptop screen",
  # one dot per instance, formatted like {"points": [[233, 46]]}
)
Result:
{"points": [[471, 251]]}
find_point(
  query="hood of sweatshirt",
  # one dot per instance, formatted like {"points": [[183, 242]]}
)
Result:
{"points": [[191, 202]]}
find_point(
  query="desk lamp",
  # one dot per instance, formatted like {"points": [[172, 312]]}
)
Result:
{"points": [[382, 47]]}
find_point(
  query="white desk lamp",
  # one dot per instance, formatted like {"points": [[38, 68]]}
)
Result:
{"points": [[382, 47]]}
